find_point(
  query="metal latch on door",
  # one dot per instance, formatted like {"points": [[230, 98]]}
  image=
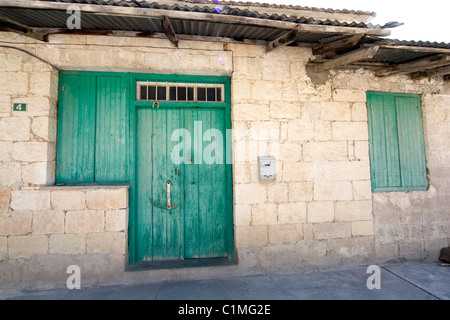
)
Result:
{"points": [[168, 205]]}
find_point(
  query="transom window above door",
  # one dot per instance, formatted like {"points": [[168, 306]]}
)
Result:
{"points": [[174, 91]]}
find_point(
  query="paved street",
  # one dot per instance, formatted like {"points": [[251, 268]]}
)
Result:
{"points": [[403, 281]]}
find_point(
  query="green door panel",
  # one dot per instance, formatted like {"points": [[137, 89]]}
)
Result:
{"points": [[196, 225], [76, 129], [111, 156]]}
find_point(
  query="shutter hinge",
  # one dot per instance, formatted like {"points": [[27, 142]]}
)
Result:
{"points": [[62, 88]]}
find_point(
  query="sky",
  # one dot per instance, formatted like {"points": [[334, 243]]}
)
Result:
{"points": [[423, 20]]}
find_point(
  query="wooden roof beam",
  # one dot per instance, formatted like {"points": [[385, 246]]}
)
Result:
{"points": [[434, 61], [431, 73], [346, 59], [284, 40], [168, 30], [9, 25], [332, 47]]}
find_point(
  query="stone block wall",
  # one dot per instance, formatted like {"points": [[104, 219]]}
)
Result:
{"points": [[320, 210]]}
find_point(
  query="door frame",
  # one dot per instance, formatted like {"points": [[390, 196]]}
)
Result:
{"points": [[134, 105]]}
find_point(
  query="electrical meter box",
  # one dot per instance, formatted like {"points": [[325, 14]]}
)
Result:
{"points": [[266, 165]]}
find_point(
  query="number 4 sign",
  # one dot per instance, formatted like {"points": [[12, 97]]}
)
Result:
{"points": [[19, 107]]}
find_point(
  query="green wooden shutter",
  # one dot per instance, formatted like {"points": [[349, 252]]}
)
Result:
{"points": [[397, 153], [93, 122], [76, 129]]}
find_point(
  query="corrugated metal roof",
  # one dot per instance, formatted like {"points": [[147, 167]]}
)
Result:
{"points": [[51, 18], [148, 4]]}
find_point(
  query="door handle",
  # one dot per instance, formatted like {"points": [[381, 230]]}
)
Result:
{"points": [[168, 205]]}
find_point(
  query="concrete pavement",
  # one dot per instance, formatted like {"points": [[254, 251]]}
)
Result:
{"points": [[401, 281]]}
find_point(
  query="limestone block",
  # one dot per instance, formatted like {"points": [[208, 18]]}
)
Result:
{"points": [[362, 150], [290, 91], [68, 200], [5, 105], [349, 95], [386, 250], [283, 110], [325, 151], [67, 244], [242, 215], [301, 191], [45, 128], [247, 68], [40, 83], [30, 200], [107, 242], [264, 214], [359, 111], [301, 130], [241, 89], [262, 89], [14, 82], [15, 223], [332, 230], [290, 152], [298, 171], [342, 171], [48, 222], [322, 130], [350, 131], [36, 174], [84, 221], [321, 211], [353, 210], [359, 247], [5, 197], [248, 112], [362, 228], [116, 220], [362, 190], [6, 151], [10, 174], [285, 233], [335, 111], [250, 193], [251, 236], [27, 246], [104, 199], [241, 173], [293, 212], [277, 192], [15, 129], [33, 151], [3, 248], [333, 191]]}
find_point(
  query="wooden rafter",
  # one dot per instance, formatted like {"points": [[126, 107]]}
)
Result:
{"points": [[434, 61], [332, 47], [9, 25], [431, 73], [347, 59], [168, 30], [284, 40]]}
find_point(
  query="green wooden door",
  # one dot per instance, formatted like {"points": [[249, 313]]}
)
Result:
{"points": [[183, 145]]}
